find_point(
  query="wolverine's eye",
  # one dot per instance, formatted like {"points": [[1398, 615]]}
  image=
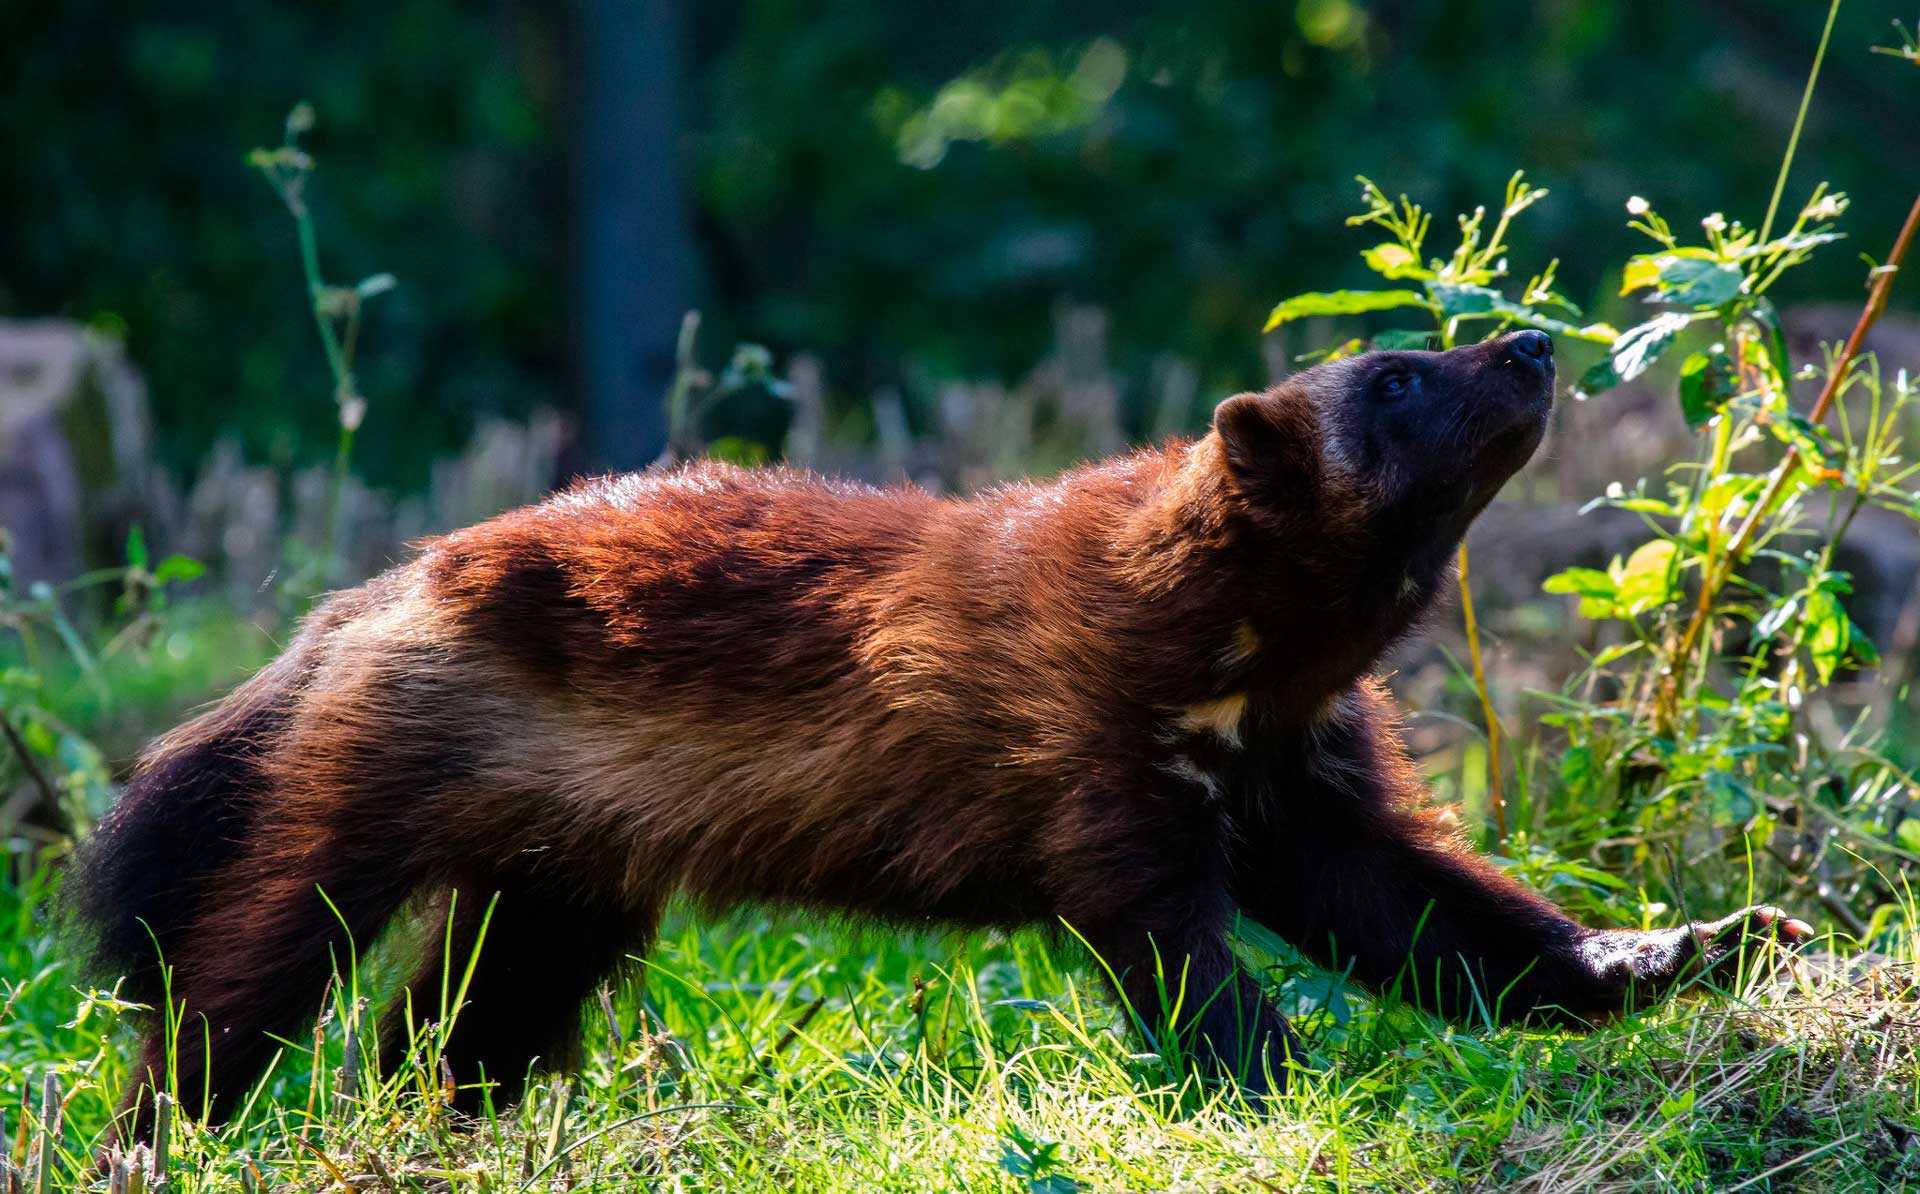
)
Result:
{"points": [[1393, 385]]}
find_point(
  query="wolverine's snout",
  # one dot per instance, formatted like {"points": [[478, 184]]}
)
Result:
{"points": [[1530, 349]]}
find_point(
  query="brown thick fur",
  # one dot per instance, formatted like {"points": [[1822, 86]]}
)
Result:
{"points": [[1135, 701]]}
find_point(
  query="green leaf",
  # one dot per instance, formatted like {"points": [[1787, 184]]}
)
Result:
{"points": [[1685, 278], [1458, 300], [1645, 505], [1341, 302], [1830, 632], [1864, 652], [1732, 801], [1587, 582], [177, 567], [1337, 1004], [137, 547], [1403, 339], [1909, 834], [1392, 261], [1640, 346], [1598, 379], [1577, 769], [1779, 360], [1634, 351], [1688, 282], [1725, 491], [1616, 652], [40, 739], [1644, 579], [1705, 386], [1642, 270], [1598, 591], [1677, 1106]]}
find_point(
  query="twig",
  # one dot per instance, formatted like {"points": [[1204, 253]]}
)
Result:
{"points": [[162, 1136], [27, 760], [50, 1115], [326, 1162]]}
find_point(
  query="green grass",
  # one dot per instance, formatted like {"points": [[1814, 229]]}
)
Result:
{"points": [[774, 1052]]}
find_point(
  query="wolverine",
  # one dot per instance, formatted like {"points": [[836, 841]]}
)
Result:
{"points": [[1136, 704]]}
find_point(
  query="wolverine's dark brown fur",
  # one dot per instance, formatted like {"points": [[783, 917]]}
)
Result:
{"points": [[1135, 700]]}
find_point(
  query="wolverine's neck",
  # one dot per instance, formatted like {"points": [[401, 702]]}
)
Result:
{"points": [[1290, 608]]}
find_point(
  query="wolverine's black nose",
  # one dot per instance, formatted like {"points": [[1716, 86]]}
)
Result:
{"points": [[1532, 347]]}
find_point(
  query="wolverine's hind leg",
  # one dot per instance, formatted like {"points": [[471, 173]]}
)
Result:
{"points": [[254, 965], [536, 955]]}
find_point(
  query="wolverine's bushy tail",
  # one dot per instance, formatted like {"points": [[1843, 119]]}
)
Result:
{"points": [[141, 877]]}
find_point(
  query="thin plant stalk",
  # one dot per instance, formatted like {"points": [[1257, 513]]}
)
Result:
{"points": [[338, 362], [1799, 122], [287, 169], [1496, 795], [1496, 786]]}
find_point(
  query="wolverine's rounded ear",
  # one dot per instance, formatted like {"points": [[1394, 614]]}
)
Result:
{"points": [[1270, 434], [1250, 432], [1272, 446]]}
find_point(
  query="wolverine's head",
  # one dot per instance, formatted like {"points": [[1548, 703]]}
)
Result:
{"points": [[1406, 445]]}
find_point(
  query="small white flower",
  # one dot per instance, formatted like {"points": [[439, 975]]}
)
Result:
{"points": [[1830, 207], [1616, 490], [1636, 206], [1715, 223]]}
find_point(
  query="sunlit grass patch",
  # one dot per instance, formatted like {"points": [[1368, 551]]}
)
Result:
{"points": [[774, 1051]]}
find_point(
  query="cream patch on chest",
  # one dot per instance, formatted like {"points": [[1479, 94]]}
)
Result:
{"points": [[1222, 718]]}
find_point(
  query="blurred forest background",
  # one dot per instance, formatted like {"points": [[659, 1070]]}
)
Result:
{"points": [[960, 244], [914, 194]]}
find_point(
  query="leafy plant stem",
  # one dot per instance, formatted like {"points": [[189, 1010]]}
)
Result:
{"points": [[337, 362], [316, 290], [1496, 791], [1715, 576]]}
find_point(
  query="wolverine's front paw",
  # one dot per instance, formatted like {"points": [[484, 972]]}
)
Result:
{"points": [[1645, 966], [1716, 944]]}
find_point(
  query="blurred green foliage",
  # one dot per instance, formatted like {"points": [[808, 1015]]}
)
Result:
{"points": [[124, 174], [908, 190]]}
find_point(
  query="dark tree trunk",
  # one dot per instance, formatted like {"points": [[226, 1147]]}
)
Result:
{"points": [[634, 271]]}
